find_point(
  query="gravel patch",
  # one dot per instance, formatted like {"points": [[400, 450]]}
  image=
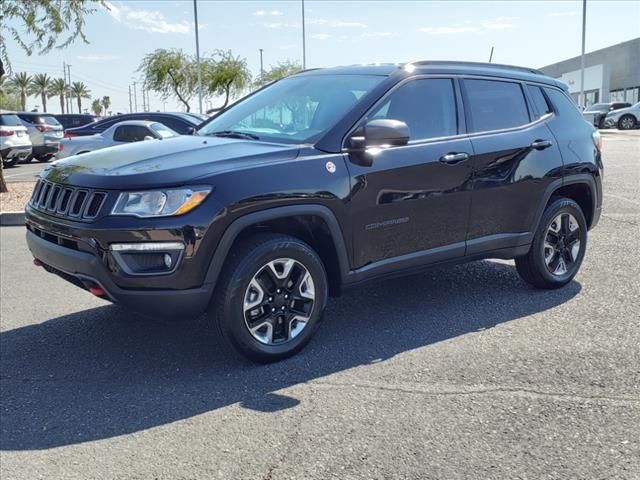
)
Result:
{"points": [[16, 198]]}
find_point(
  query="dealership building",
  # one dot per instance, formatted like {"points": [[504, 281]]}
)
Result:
{"points": [[611, 74]]}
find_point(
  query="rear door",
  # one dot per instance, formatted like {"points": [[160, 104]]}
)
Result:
{"points": [[515, 159]]}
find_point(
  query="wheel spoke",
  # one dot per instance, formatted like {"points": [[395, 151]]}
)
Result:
{"points": [[574, 248], [561, 266]]}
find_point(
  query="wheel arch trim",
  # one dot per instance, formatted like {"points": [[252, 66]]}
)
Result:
{"points": [[237, 226], [575, 179]]}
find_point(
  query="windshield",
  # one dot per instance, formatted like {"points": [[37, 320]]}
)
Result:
{"points": [[294, 110], [163, 131], [10, 120]]}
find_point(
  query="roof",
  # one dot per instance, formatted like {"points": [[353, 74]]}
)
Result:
{"points": [[139, 123], [440, 66]]}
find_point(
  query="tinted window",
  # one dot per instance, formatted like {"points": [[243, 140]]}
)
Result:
{"points": [[539, 101], [131, 133], [10, 121], [163, 131], [564, 108], [495, 105], [428, 107], [176, 124], [599, 107]]}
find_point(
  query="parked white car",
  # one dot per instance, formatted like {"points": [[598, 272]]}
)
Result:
{"points": [[45, 133], [625, 118], [15, 144], [118, 134]]}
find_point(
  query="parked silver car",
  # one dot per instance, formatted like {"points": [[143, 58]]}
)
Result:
{"points": [[45, 133], [625, 118], [597, 112], [15, 144], [118, 134]]}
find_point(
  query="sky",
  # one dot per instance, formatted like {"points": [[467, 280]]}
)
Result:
{"points": [[529, 33]]}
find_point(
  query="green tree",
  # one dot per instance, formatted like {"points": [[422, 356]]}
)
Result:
{"points": [[79, 90], [8, 98], [225, 75], [281, 70], [58, 88], [21, 83], [106, 103], [96, 107], [40, 85], [171, 73], [37, 25]]}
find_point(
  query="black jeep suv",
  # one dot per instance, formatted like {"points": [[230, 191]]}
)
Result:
{"points": [[321, 181]]}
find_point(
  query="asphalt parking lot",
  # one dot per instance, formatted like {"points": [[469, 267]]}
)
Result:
{"points": [[462, 372], [24, 172]]}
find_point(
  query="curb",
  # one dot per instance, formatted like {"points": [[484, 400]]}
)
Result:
{"points": [[11, 219]]}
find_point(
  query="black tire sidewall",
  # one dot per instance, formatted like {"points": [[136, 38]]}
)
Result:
{"points": [[230, 312], [562, 205], [620, 127]]}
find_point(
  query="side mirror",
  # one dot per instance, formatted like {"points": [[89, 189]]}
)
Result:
{"points": [[148, 137], [383, 132], [191, 131]]}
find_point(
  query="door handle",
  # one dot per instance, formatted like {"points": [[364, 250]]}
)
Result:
{"points": [[541, 144], [453, 158]]}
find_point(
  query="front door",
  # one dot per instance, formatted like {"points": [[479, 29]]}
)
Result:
{"points": [[413, 201]]}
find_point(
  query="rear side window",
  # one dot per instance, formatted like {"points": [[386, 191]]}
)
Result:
{"points": [[131, 133], [175, 124], [427, 106], [563, 107], [495, 105], [540, 103], [10, 121]]}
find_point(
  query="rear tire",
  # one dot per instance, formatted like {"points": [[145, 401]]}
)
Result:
{"points": [[558, 246], [626, 122], [10, 163], [44, 159], [270, 297]]}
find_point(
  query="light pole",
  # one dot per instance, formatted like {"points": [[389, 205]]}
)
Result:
{"points": [[581, 101], [195, 15], [135, 97], [130, 105], [261, 64], [70, 105], [304, 41]]}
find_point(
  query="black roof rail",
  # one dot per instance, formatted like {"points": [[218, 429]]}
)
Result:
{"points": [[474, 64]]}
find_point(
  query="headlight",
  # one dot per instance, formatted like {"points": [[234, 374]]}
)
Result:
{"points": [[160, 203]]}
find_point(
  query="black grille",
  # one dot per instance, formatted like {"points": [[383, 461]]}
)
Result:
{"points": [[69, 202]]}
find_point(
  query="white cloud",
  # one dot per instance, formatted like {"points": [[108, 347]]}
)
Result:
{"points": [[281, 25], [273, 13], [98, 58], [499, 23], [321, 36], [377, 34], [335, 23], [147, 20], [563, 14]]}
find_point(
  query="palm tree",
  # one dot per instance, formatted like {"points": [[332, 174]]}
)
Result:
{"points": [[79, 91], [40, 84], [96, 107], [106, 103], [58, 88], [21, 82]]}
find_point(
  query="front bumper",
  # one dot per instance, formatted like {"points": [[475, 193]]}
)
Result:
{"points": [[78, 252], [86, 270]]}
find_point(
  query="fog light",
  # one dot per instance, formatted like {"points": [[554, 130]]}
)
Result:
{"points": [[168, 261]]}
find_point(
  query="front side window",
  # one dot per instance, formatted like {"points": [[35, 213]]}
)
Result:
{"points": [[427, 106], [495, 105], [298, 109], [162, 131]]}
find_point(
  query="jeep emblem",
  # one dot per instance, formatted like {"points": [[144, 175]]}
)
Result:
{"points": [[331, 167]]}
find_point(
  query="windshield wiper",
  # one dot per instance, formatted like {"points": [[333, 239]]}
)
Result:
{"points": [[234, 134]]}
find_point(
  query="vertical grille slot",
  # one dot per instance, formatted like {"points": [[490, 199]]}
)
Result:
{"points": [[94, 204], [64, 201], [36, 191], [77, 203], [53, 200], [44, 193]]}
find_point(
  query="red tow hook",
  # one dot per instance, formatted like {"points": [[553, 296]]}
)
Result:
{"points": [[37, 262], [97, 291]]}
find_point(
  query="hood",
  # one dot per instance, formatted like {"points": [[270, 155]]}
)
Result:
{"points": [[169, 162]]}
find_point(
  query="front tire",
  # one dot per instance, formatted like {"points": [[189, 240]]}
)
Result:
{"points": [[558, 246], [626, 122], [271, 296], [44, 158], [10, 163]]}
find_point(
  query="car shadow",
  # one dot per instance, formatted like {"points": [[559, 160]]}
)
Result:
{"points": [[106, 372]]}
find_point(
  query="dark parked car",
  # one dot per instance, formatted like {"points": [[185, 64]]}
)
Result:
{"points": [[72, 120], [321, 181], [183, 123], [596, 113]]}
